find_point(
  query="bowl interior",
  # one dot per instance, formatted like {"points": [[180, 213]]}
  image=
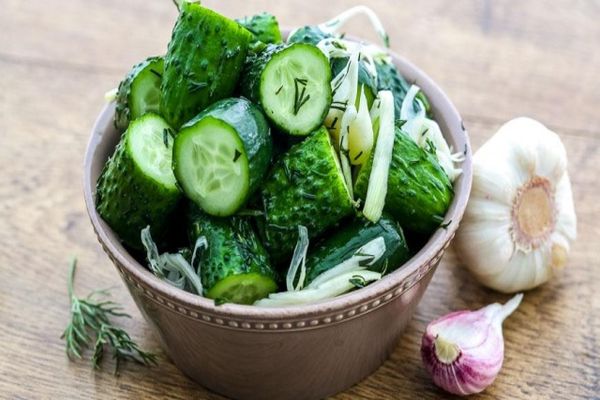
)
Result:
{"points": [[104, 138]]}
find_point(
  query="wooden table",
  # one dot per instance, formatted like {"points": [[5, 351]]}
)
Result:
{"points": [[495, 59]]}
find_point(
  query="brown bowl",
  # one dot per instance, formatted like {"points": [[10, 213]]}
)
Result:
{"points": [[299, 352]]}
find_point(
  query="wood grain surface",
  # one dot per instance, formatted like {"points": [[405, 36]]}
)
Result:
{"points": [[495, 59]]}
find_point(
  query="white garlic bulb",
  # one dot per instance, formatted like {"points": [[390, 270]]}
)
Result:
{"points": [[520, 219]]}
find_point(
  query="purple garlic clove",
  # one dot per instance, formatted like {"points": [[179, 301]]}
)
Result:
{"points": [[463, 351]]}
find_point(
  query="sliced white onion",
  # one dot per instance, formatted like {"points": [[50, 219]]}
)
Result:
{"points": [[173, 268], [298, 261], [336, 281], [344, 85], [378, 178], [332, 288], [427, 134], [335, 24], [360, 133]]}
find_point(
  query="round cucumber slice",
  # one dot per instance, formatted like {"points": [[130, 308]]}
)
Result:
{"points": [[295, 88], [145, 89], [139, 92], [150, 143], [243, 288], [212, 167]]}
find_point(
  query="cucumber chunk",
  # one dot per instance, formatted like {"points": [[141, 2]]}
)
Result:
{"points": [[203, 62], [139, 92], [222, 154], [418, 192], [235, 268], [243, 288], [137, 187], [308, 34], [263, 26], [306, 187], [292, 84], [349, 238]]}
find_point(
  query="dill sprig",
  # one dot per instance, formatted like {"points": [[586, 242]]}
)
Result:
{"points": [[91, 323], [300, 97]]}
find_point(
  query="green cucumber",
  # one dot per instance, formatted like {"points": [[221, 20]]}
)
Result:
{"points": [[418, 192], [306, 187], [263, 26], [203, 62], [292, 83], [348, 239], [139, 92], [235, 268], [221, 155], [389, 78], [308, 34], [137, 187]]}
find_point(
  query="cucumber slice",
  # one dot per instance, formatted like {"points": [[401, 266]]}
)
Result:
{"points": [[292, 84], [235, 268], [222, 154], [242, 289], [139, 92], [137, 187]]}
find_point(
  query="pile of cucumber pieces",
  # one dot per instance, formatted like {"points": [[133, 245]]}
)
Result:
{"points": [[240, 148]]}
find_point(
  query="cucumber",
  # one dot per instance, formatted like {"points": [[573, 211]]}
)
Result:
{"points": [[418, 192], [235, 268], [308, 34], [221, 155], [348, 239], [305, 187], [389, 78], [292, 83], [203, 62], [139, 92], [263, 26], [137, 187]]}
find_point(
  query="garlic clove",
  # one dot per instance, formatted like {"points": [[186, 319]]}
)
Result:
{"points": [[464, 350]]}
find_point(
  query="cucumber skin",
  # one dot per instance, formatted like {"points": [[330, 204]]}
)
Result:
{"points": [[129, 201], [233, 248], [205, 48], [263, 26], [389, 78], [122, 110], [251, 125], [419, 191], [251, 79], [314, 195], [348, 239], [308, 34], [253, 68]]}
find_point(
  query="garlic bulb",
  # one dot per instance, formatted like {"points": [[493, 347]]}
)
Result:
{"points": [[463, 351], [520, 219]]}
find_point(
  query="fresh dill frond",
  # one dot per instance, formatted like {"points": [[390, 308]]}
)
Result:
{"points": [[90, 322]]}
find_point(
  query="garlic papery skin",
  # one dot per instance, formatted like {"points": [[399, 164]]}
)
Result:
{"points": [[520, 220], [464, 350]]}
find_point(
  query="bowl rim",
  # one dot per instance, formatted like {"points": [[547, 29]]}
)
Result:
{"points": [[400, 277]]}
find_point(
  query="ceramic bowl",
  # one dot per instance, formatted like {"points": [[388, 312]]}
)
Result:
{"points": [[300, 352]]}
